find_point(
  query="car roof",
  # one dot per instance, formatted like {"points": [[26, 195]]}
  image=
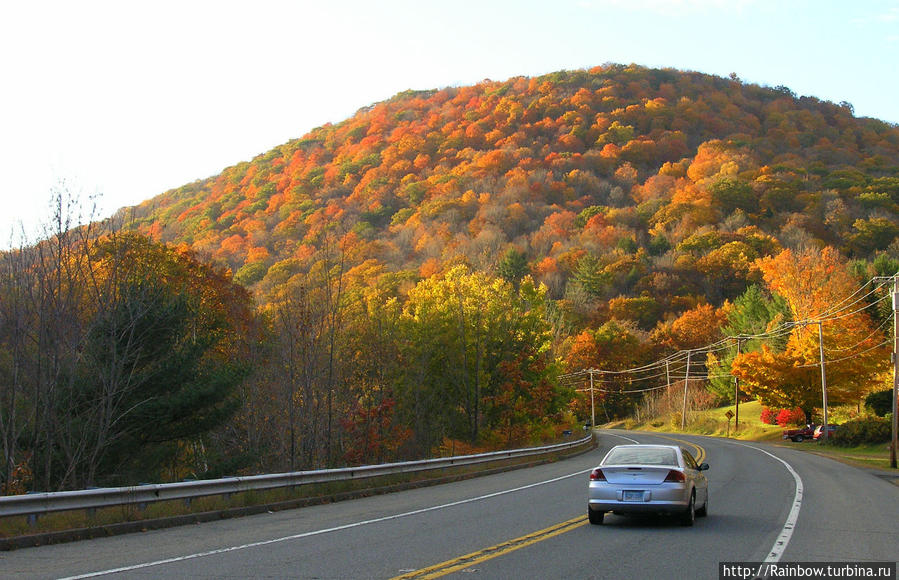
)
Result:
{"points": [[647, 446]]}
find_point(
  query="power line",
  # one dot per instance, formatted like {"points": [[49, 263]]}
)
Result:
{"points": [[836, 312]]}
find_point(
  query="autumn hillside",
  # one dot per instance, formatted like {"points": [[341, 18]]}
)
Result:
{"points": [[429, 276], [654, 183]]}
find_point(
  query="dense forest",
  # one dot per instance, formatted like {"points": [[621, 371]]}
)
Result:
{"points": [[428, 275]]}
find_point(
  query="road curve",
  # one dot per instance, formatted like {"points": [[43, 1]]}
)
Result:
{"points": [[529, 523]]}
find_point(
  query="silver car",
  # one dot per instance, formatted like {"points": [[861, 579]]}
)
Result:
{"points": [[648, 479]]}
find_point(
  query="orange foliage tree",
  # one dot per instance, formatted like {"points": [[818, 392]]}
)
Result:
{"points": [[818, 290], [695, 328]]}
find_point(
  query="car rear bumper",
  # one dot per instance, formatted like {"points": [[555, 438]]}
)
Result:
{"points": [[633, 507], [656, 498]]}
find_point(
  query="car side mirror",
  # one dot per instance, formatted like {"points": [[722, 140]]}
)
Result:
{"points": [[703, 467]]}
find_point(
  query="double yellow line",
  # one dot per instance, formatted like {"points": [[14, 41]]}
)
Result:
{"points": [[700, 451], [469, 560]]}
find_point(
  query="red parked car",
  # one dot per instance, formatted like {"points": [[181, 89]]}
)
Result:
{"points": [[800, 435]]}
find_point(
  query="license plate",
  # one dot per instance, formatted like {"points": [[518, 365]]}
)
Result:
{"points": [[633, 496]]}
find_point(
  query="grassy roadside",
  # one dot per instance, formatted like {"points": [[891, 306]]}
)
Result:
{"points": [[714, 423]]}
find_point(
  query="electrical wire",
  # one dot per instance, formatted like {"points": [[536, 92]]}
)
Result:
{"points": [[838, 311]]}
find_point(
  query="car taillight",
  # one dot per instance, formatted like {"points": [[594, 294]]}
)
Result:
{"points": [[597, 475], [676, 476]]}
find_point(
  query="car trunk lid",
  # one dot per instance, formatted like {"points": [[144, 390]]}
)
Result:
{"points": [[643, 475]]}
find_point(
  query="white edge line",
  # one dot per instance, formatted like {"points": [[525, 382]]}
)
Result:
{"points": [[780, 544], [317, 532]]}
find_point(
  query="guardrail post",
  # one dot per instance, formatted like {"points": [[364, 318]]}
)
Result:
{"points": [[32, 517], [188, 499], [91, 511], [142, 505]]}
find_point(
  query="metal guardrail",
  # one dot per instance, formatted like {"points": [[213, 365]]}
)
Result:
{"points": [[33, 504]]}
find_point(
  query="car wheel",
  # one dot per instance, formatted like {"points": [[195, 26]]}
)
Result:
{"points": [[798, 438], [595, 517], [690, 515], [704, 510]]}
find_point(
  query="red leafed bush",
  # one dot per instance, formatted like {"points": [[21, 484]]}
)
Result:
{"points": [[791, 417], [768, 416]]}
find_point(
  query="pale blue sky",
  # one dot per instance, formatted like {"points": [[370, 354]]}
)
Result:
{"points": [[127, 100]]}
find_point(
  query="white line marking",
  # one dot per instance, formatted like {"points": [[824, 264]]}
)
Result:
{"points": [[318, 532], [780, 544], [621, 436]]}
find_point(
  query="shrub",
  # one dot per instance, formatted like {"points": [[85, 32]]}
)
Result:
{"points": [[795, 417], [783, 417], [880, 402], [862, 431]]}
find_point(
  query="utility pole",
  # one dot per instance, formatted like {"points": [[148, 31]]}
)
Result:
{"points": [[683, 417], [823, 377], [737, 392], [592, 407], [667, 378], [894, 444]]}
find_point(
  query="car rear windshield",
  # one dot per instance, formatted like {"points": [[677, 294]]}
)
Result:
{"points": [[642, 456]]}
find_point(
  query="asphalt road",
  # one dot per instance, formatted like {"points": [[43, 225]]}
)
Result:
{"points": [[529, 523]]}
